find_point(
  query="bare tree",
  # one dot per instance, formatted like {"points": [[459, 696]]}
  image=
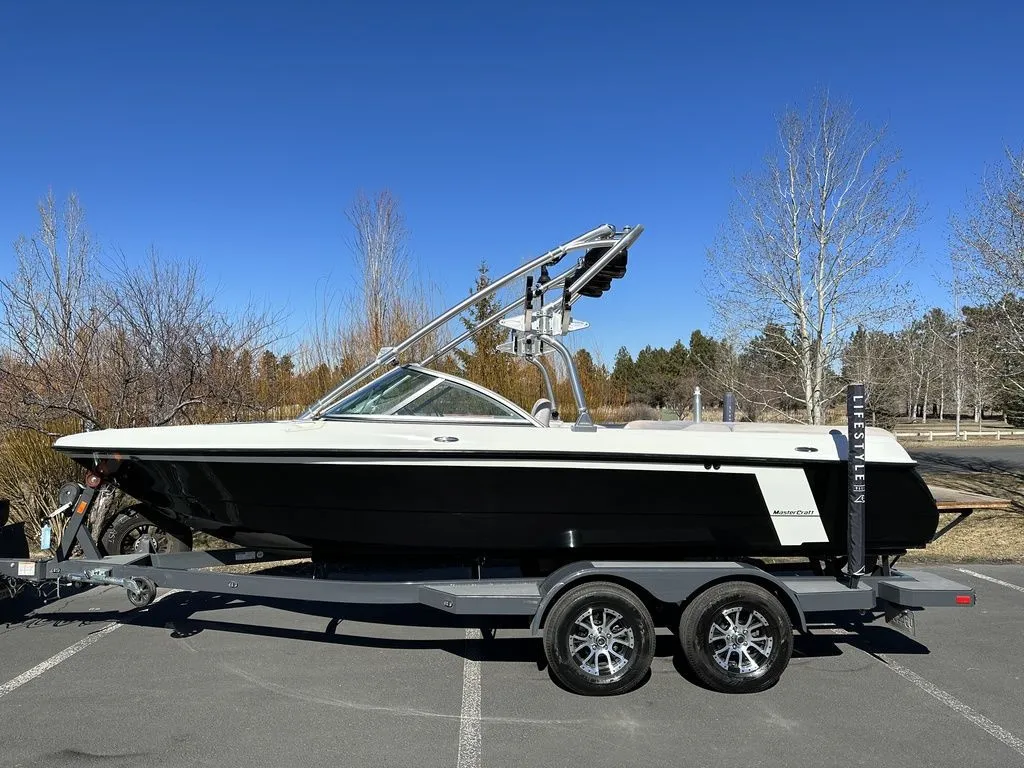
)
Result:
{"points": [[767, 376], [814, 244], [875, 358], [927, 343], [388, 302], [146, 346], [171, 354], [989, 250], [957, 357], [379, 247], [50, 321]]}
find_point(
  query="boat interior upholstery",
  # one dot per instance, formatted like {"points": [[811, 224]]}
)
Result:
{"points": [[541, 411], [652, 424]]}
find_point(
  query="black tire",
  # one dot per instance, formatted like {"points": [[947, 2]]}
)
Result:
{"points": [[119, 537], [623, 618], [144, 592], [704, 636]]}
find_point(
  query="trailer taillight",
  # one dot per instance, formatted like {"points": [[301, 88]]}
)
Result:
{"points": [[964, 600]]}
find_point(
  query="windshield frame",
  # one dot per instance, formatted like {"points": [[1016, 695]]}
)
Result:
{"points": [[437, 378], [362, 395]]}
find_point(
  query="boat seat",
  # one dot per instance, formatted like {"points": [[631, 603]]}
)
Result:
{"points": [[541, 411], [695, 426], [652, 424]]}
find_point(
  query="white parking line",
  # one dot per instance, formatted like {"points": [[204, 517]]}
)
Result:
{"points": [[972, 716], [67, 653], [57, 658], [469, 720], [1000, 582], [956, 705]]}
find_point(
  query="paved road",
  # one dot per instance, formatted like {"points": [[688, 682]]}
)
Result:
{"points": [[200, 681], [981, 458]]}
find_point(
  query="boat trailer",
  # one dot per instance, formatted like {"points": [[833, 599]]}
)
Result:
{"points": [[734, 619]]}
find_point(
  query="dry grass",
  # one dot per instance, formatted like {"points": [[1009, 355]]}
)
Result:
{"points": [[31, 474], [972, 442], [986, 536], [1003, 485], [302, 567]]}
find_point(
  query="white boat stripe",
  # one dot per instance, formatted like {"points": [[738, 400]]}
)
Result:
{"points": [[690, 465], [1000, 582], [423, 456], [469, 718], [791, 505], [62, 656]]}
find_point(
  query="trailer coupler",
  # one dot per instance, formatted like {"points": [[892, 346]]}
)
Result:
{"points": [[141, 590], [97, 576]]}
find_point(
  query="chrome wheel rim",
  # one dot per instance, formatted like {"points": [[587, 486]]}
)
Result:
{"points": [[601, 643], [739, 640]]}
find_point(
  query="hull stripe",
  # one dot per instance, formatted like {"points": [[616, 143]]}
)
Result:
{"points": [[549, 458]]}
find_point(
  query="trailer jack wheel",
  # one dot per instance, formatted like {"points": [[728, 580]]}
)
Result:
{"points": [[141, 591]]}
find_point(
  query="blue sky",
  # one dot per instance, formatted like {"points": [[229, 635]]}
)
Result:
{"points": [[237, 133]]}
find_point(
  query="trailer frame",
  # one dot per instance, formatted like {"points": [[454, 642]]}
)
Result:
{"points": [[663, 588]]}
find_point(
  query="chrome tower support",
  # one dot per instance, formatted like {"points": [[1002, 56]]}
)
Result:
{"points": [[539, 326], [390, 354], [547, 381], [441, 351], [583, 418]]}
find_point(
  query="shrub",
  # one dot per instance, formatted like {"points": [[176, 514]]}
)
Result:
{"points": [[31, 474]]}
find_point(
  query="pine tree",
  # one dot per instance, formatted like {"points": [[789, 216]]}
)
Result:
{"points": [[624, 373], [483, 363]]}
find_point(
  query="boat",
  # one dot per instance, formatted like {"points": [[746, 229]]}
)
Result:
{"points": [[417, 463]]}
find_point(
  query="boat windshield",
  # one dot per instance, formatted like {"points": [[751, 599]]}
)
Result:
{"points": [[381, 396], [417, 393]]}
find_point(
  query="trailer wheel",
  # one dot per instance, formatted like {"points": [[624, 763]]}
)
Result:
{"points": [[737, 637], [141, 591], [599, 639], [129, 526]]}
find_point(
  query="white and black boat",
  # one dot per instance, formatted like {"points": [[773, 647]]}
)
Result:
{"points": [[420, 463]]}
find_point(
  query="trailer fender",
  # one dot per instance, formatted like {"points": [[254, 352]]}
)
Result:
{"points": [[671, 583]]}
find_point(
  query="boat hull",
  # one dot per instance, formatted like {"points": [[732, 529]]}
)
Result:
{"points": [[344, 505]]}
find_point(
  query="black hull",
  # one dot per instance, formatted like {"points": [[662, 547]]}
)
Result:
{"points": [[461, 509]]}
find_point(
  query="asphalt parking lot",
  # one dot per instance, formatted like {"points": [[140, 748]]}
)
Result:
{"points": [[198, 680]]}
